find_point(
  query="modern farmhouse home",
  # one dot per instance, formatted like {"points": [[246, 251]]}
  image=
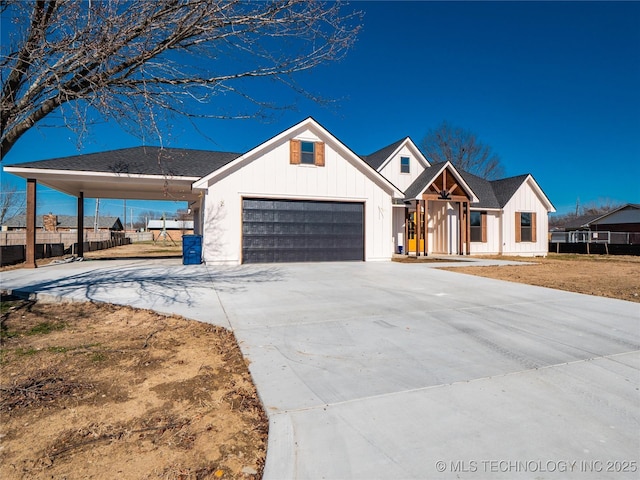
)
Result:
{"points": [[303, 195]]}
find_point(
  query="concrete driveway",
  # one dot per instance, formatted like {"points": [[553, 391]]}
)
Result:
{"points": [[388, 370]]}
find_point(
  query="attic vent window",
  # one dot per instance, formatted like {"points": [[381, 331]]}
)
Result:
{"points": [[306, 153], [405, 165]]}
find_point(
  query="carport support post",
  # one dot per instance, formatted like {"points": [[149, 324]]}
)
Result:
{"points": [[30, 254], [80, 249]]}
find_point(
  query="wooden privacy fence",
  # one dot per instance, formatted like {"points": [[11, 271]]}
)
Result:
{"points": [[55, 244]]}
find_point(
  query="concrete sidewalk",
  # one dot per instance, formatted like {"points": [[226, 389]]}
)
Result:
{"points": [[389, 370]]}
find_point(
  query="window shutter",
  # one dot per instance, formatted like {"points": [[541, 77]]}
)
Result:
{"points": [[294, 152], [483, 225], [518, 228], [533, 227], [319, 152]]}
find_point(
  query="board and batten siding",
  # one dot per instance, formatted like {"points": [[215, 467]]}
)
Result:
{"points": [[398, 228], [269, 174], [391, 171], [494, 240], [525, 200]]}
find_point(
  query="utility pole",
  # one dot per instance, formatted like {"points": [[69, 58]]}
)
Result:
{"points": [[125, 216], [164, 229], [95, 218]]}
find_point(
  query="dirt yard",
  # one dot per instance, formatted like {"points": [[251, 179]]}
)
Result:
{"points": [[103, 392], [141, 250], [605, 276]]}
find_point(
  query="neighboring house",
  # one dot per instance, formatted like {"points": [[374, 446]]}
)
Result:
{"points": [[303, 195], [63, 223], [619, 226], [622, 219], [170, 229]]}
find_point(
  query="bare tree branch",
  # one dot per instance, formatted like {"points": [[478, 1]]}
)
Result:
{"points": [[133, 59], [463, 149], [12, 202]]}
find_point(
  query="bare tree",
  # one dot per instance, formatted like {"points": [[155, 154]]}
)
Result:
{"points": [[591, 210], [143, 218], [12, 202], [600, 206], [184, 216], [133, 60], [463, 149]]}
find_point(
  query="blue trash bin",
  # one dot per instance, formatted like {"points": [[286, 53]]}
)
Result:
{"points": [[191, 249]]}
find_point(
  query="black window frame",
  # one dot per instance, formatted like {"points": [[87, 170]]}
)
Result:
{"points": [[405, 168], [475, 233]]}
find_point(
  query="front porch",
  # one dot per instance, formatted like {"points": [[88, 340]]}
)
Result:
{"points": [[435, 215]]}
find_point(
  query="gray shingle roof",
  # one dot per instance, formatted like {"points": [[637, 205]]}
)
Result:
{"points": [[422, 180], [491, 194], [142, 160], [67, 221], [506, 188], [376, 159], [483, 189]]}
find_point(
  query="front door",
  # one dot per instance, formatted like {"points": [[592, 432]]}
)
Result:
{"points": [[411, 238]]}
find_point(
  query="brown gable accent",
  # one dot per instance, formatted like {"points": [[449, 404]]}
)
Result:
{"points": [[445, 187], [294, 152], [518, 228], [319, 152]]}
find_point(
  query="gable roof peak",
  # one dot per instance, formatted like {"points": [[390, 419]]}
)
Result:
{"points": [[378, 158]]}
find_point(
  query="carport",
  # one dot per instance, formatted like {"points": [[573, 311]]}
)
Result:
{"points": [[139, 173]]}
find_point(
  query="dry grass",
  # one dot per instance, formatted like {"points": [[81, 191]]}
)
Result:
{"points": [[609, 276]]}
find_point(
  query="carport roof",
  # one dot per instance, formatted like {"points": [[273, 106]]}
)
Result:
{"points": [[178, 162], [145, 173]]}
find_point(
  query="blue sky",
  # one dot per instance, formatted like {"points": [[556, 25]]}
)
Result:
{"points": [[552, 87]]}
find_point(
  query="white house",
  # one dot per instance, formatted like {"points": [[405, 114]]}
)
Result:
{"points": [[303, 195]]}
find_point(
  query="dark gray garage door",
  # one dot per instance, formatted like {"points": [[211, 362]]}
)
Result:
{"points": [[301, 231]]}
